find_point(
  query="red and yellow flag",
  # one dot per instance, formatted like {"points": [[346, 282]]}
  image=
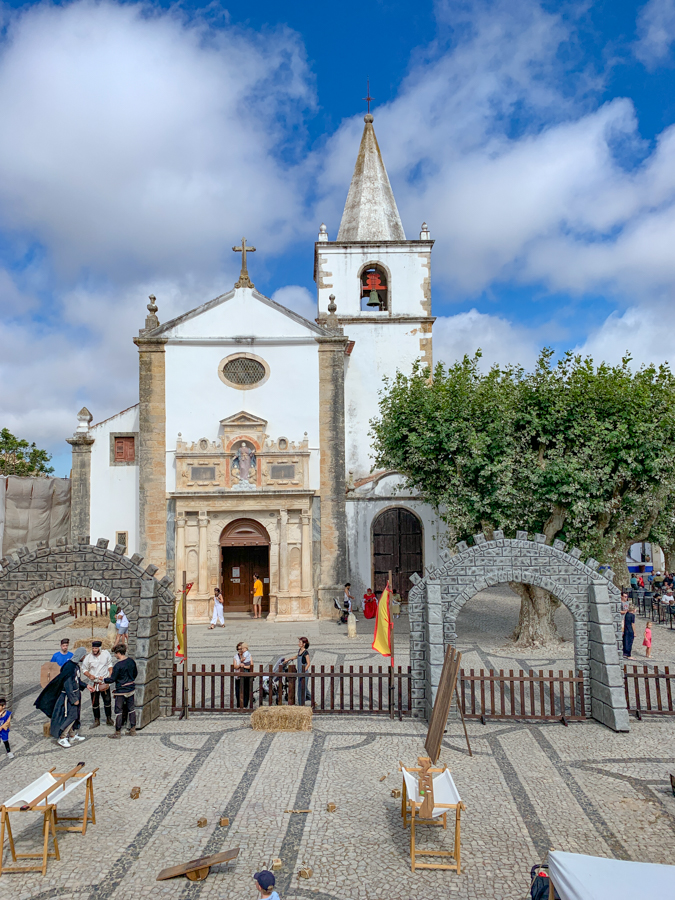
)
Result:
{"points": [[180, 624], [384, 626]]}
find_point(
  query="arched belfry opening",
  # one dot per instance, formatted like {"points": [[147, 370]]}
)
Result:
{"points": [[244, 553], [374, 289]]}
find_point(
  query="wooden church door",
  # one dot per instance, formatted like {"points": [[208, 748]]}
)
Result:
{"points": [[397, 547]]}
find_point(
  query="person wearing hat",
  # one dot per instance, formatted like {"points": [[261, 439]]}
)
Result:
{"points": [[98, 665], [265, 883], [62, 657], [60, 700]]}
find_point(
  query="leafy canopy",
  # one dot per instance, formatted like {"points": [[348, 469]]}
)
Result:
{"points": [[18, 457], [573, 450]]}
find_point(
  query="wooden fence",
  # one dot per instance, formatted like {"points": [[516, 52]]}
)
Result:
{"points": [[649, 692], [525, 695], [79, 606], [331, 689]]}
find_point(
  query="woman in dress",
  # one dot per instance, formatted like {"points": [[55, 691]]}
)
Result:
{"points": [[369, 604], [628, 633], [217, 617]]}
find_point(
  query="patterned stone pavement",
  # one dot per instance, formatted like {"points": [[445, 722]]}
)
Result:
{"points": [[527, 788]]}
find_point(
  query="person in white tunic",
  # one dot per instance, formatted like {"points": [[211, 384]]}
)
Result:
{"points": [[217, 617], [98, 664]]}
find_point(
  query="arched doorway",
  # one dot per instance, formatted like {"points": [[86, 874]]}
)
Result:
{"points": [[244, 551], [398, 547]]}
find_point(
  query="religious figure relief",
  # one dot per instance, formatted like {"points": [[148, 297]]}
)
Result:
{"points": [[244, 466]]}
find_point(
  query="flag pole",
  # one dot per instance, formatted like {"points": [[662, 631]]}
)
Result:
{"points": [[185, 655], [391, 655]]}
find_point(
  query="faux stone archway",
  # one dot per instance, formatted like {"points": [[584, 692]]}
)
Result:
{"points": [[593, 601], [148, 603]]}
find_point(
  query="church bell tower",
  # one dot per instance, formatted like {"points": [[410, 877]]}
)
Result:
{"points": [[382, 287]]}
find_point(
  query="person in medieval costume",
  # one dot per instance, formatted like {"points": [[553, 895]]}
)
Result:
{"points": [[217, 617], [60, 700]]}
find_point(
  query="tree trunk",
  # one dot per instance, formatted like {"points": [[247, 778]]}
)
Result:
{"points": [[536, 627], [667, 559], [617, 560]]}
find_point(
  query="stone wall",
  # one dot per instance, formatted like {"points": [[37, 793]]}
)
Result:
{"points": [[437, 599], [148, 603]]}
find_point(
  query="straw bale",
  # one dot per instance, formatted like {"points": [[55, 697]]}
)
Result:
{"points": [[282, 718], [106, 643]]}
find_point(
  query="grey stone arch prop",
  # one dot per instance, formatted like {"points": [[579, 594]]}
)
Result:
{"points": [[594, 602], [148, 603]]}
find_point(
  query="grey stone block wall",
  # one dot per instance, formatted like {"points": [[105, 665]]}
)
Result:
{"points": [[148, 603], [437, 599]]}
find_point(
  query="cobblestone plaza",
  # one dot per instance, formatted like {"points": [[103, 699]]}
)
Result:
{"points": [[528, 787]]}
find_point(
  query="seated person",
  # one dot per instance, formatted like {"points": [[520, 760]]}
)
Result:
{"points": [[369, 604]]}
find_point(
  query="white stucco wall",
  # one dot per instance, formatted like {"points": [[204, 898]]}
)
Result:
{"points": [[197, 399], [406, 263], [114, 488], [363, 506]]}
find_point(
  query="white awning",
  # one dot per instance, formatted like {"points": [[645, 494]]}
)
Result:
{"points": [[578, 877]]}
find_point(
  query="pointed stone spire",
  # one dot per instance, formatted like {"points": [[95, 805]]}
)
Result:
{"points": [[370, 212]]}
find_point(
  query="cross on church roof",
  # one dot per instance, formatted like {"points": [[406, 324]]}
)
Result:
{"points": [[368, 99], [244, 280]]}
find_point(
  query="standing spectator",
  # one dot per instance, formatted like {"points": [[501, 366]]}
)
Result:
{"points": [[628, 633], [257, 596], [62, 656], [123, 676], [348, 599], [60, 700], [395, 604], [217, 617], [5, 725], [647, 642], [242, 662], [98, 665], [303, 659], [122, 626], [265, 882]]}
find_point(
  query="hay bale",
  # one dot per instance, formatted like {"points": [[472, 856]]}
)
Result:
{"points": [[106, 644], [85, 622], [282, 718]]}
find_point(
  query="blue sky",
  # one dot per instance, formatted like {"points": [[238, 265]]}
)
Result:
{"points": [[141, 141]]}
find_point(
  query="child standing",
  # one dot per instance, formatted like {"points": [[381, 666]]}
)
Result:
{"points": [[647, 642], [264, 881], [5, 724]]}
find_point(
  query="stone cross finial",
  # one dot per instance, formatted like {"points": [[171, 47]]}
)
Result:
{"points": [[244, 280]]}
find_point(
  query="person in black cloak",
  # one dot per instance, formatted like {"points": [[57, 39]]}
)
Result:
{"points": [[60, 700], [628, 633]]}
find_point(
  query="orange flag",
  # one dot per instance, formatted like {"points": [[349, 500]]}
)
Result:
{"points": [[384, 626]]}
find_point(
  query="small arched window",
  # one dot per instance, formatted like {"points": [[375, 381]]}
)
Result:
{"points": [[374, 289]]}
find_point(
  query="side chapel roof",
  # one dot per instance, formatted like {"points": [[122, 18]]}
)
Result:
{"points": [[370, 213]]}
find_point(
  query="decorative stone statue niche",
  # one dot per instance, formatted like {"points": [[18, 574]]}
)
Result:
{"points": [[243, 467]]}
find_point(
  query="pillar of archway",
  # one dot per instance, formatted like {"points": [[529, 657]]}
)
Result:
{"points": [[593, 601], [148, 603]]}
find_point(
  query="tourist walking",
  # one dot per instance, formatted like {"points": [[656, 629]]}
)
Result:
{"points": [[217, 617], [242, 662], [60, 700], [302, 657], [123, 676], [257, 596], [647, 642], [5, 725], [62, 656], [628, 632], [96, 666]]}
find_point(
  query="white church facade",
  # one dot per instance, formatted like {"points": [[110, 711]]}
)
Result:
{"points": [[249, 449]]}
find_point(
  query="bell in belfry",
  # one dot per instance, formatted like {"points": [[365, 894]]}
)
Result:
{"points": [[374, 299]]}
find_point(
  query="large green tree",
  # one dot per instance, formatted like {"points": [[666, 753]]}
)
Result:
{"points": [[18, 457], [572, 450]]}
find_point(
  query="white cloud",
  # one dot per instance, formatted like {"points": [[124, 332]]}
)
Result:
{"points": [[500, 341], [656, 30], [641, 331], [297, 298]]}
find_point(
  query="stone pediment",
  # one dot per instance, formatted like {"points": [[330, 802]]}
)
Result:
{"points": [[244, 420]]}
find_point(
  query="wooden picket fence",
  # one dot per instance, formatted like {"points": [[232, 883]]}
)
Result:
{"points": [[333, 689], [79, 606], [522, 695], [649, 692]]}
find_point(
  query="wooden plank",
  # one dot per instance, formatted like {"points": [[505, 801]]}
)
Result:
{"points": [[204, 862], [442, 703]]}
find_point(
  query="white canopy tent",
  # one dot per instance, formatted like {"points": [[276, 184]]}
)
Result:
{"points": [[578, 877]]}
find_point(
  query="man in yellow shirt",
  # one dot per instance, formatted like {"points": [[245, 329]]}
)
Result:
{"points": [[257, 596]]}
